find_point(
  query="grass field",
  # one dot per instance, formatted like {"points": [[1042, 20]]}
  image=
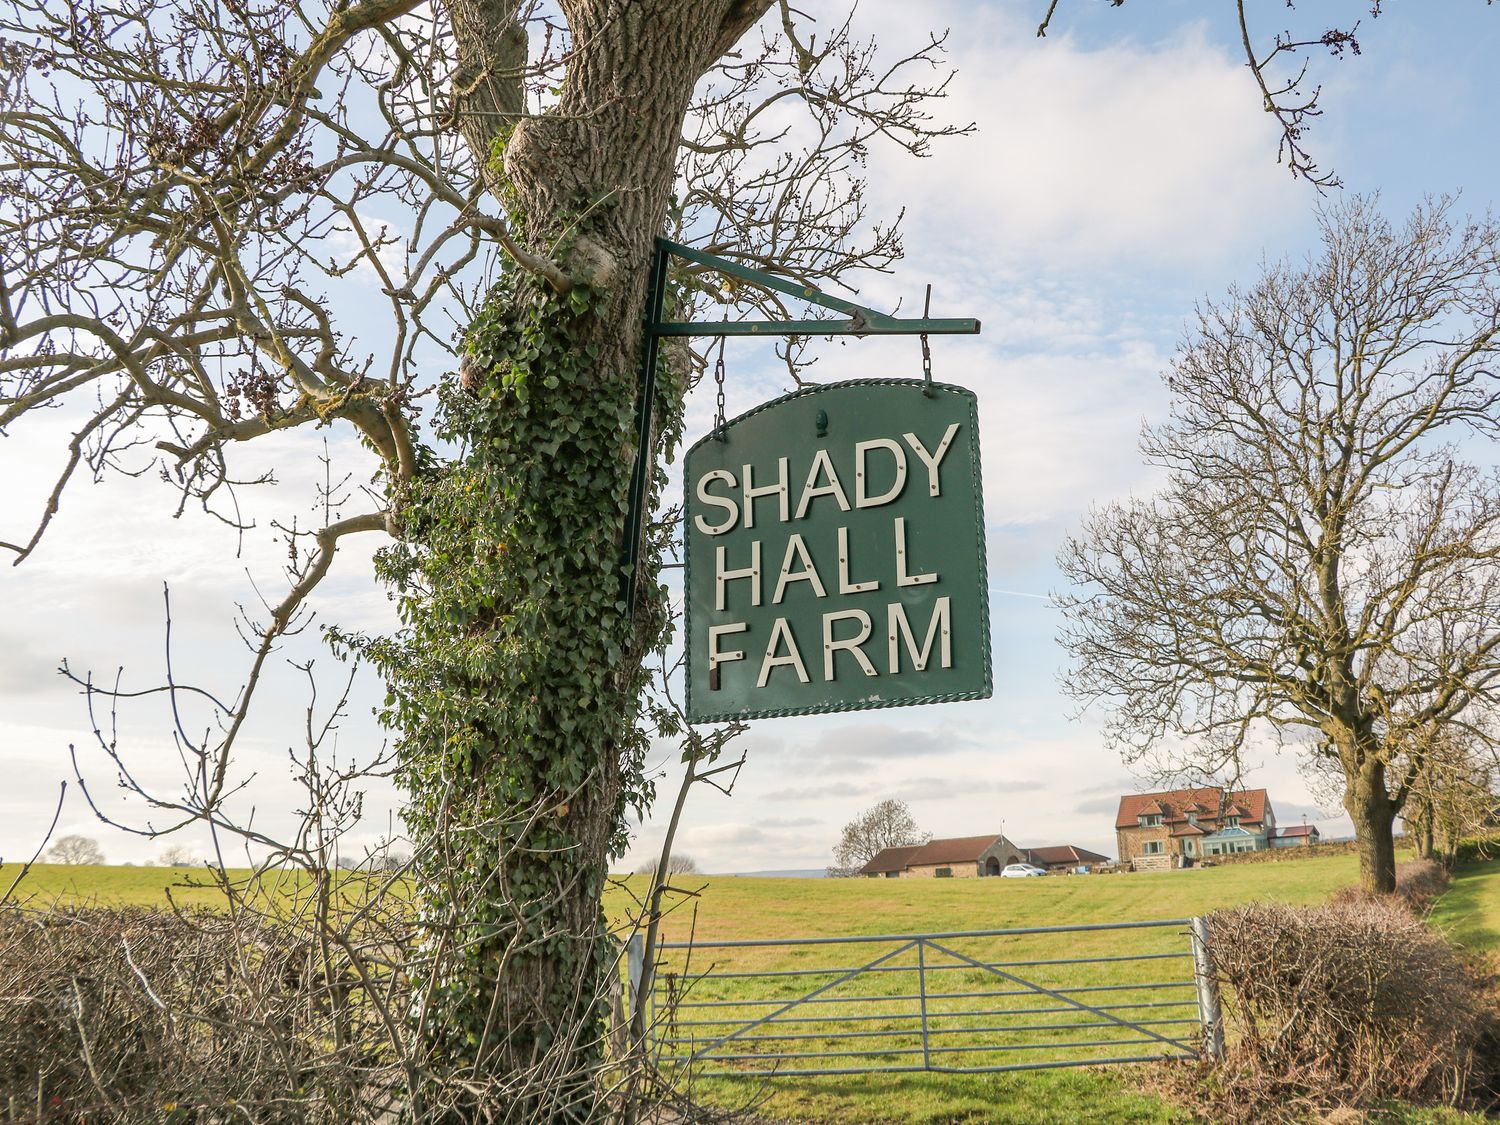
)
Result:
{"points": [[1470, 910], [732, 908], [113, 886], [729, 908]]}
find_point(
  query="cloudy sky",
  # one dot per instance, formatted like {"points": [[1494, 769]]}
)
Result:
{"points": [[1122, 169]]}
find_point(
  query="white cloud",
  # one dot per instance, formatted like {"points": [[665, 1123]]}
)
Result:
{"points": [[1137, 155]]}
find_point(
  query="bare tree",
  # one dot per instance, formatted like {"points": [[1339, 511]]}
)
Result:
{"points": [[677, 864], [192, 190], [888, 824], [1320, 563], [1280, 70], [75, 849], [1453, 794], [177, 855]]}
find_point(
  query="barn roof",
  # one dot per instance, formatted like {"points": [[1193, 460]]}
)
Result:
{"points": [[889, 859], [961, 849], [1299, 830], [1064, 853], [1176, 802]]}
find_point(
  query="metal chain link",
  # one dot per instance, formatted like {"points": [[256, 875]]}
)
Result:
{"points": [[927, 351], [719, 401]]}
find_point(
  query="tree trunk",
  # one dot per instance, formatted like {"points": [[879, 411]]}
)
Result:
{"points": [[1425, 831], [519, 690], [1374, 814]]}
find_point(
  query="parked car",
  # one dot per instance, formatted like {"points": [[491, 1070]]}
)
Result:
{"points": [[1020, 871]]}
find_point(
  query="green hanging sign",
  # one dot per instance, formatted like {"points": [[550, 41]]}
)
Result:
{"points": [[835, 554]]}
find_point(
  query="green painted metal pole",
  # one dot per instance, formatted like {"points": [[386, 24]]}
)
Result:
{"points": [[635, 517], [886, 326]]}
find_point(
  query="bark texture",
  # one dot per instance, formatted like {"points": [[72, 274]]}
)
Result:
{"points": [[553, 671]]}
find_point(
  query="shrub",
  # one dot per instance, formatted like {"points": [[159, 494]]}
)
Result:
{"points": [[1346, 1004], [1418, 885], [1476, 849], [136, 1015]]}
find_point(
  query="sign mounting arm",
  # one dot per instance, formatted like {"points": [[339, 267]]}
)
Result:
{"points": [[862, 321]]}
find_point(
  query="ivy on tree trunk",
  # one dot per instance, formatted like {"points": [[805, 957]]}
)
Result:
{"points": [[518, 685]]}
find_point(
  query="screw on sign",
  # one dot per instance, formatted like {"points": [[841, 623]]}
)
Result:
{"points": [[835, 554]]}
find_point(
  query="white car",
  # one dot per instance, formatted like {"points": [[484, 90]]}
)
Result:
{"points": [[1021, 871]]}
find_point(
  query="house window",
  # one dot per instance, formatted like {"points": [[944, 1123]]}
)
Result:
{"points": [[1192, 818], [892, 874], [944, 873], [1151, 847], [1151, 820], [1231, 822]]}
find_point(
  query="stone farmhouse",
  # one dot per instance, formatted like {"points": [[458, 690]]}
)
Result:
{"points": [[966, 857], [1182, 826]]}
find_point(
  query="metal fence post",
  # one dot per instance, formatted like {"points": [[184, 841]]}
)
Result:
{"points": [[1209, 1013], [922, 992], [635, 968]]}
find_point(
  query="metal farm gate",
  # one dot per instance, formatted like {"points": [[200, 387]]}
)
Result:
{"points": [[965, 1002]]}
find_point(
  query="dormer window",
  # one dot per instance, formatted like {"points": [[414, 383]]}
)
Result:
{"points": [[1192, 818], [1231, 822], [1150, 820]]}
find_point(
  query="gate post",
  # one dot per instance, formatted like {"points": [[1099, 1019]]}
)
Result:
{"points": [[1209, 1014], [635, 970], [922, 992]]}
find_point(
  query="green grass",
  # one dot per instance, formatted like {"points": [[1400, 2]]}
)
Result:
{"points": [[48, 885], [1059, 1097], [731, 908], [113, 886], [1469, 911]]}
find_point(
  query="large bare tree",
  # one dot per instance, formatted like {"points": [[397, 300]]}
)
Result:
{"points": [[1321, 562], [885, 824], [75, 849], [188, 188]]}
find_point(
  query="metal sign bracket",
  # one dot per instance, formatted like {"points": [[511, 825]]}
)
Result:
{"points": [[861, 321]]}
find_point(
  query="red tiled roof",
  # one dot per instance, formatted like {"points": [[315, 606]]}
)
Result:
{"points": [[1064, 853], [890, 859], [1189, 830], [962, 849], [1175, 803]]}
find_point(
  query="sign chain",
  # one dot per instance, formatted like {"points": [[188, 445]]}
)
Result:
{"points": [[719, 401], [926, 350]]}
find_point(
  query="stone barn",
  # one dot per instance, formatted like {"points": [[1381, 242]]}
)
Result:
{"points": [[965, 857]]}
